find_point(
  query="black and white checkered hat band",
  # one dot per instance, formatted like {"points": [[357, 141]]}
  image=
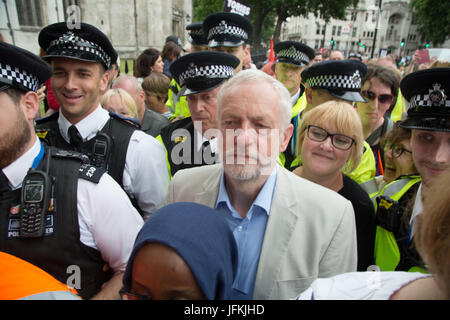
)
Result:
{"points": [[211, 71], [73, 42], [15, 75], [335, 81], [293, 54], [423, 100], [224, 29]]}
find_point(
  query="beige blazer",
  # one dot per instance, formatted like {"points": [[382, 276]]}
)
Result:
{"points": [[310, 232]]}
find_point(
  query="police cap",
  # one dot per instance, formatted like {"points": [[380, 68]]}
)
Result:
{"points": [[293, 52], [227, 29], [341, 78], [86, 43], [428, 94], [203, 71], [21, 69], [196, 35]]}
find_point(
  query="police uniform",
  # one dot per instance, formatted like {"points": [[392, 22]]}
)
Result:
{"points": [[176, 101], [134, 159], [197, 72], [300, 55], [227, 29], [62, 223], [429, 105]]}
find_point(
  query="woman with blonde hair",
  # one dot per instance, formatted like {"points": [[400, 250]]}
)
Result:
{"points": [[330, 146], [120, 102]]}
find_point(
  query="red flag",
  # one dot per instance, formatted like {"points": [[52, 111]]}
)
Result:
{"points": [[272, 53]]}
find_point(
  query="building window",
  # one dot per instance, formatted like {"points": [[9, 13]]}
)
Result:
{"points": [[334, 31], [29, 13], [354, 31], [317, 44], [354, 15], [323, 30], [339, 30], [364, 34], [318, 29]]}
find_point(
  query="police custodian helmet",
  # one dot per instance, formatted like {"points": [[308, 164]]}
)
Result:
{"points": [[428, 94]]}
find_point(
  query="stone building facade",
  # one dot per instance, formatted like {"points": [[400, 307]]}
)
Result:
{"points": [[131, 25], [357, 32]]}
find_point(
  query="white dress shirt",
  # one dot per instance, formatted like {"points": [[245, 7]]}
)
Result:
{"points": [[145, 177], [108, 221]]}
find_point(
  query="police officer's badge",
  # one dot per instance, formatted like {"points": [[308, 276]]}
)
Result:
{"points": [[437, 96], [222, 27], [356, 79], [192, 70]]}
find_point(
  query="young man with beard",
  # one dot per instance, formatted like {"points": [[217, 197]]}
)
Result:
{"points": [[80, 58], [400, 202], [286, 234], [54, 212]]}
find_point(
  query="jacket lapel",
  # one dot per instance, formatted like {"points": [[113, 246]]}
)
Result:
{"points": [[210, 187], [280, 227]]}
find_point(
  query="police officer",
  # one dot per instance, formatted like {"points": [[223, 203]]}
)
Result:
{"points": [[190, 142], [229, 32], [400, 202], [176, 101], [292, 58], [79, 58], [63, 216]]}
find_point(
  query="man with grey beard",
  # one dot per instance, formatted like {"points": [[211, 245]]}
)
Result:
{"points": [[287, 235]]}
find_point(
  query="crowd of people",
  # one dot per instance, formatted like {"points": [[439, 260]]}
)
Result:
{"points": [[202, 177]]}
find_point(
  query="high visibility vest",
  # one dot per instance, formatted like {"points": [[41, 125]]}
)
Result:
{"points": [[399, 108], [366, 169], [387, 253], [20, 279], [299, 106], [177, 104]]}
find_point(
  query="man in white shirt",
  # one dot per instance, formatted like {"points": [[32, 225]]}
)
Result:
{"points": [[80, 59], [75, 221]]}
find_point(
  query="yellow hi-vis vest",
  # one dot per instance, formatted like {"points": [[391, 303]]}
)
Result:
{"points": [[366, 169], [177, 104], [399, 108], [387, 253]]}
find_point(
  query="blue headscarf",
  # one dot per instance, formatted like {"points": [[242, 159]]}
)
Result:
{"points": [[201, 237]]}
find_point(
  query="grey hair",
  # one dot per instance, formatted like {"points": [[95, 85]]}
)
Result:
{"points": [[131, 79], [256, 76]]}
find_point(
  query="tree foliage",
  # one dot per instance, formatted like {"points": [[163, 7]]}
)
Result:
{"points": [[433, 17], [266, 12]]}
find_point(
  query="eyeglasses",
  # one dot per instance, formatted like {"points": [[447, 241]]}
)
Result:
{"points": [[124, 295], [396, 150], [339, 141], [382, 98]]}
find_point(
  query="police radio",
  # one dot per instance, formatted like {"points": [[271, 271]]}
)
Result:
{"points": [[35, 201], [101, 150]]}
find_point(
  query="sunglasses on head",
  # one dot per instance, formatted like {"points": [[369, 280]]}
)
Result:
{"points": [[382, 98]]}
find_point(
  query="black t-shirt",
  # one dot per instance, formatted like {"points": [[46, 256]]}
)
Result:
{"points": [[364, 220]]}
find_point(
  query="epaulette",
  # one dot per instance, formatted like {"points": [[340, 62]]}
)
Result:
{"points": [[130, 121], [51, 117], [91, 173]]}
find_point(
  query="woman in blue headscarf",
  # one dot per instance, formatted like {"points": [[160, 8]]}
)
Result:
{"points": [[183, 251]]}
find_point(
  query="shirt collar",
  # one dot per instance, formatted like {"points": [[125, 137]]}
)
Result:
{"points": [[87, 127], [295, 97], [264, 198], [17, 170], [201, 139], [417, 209]]}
